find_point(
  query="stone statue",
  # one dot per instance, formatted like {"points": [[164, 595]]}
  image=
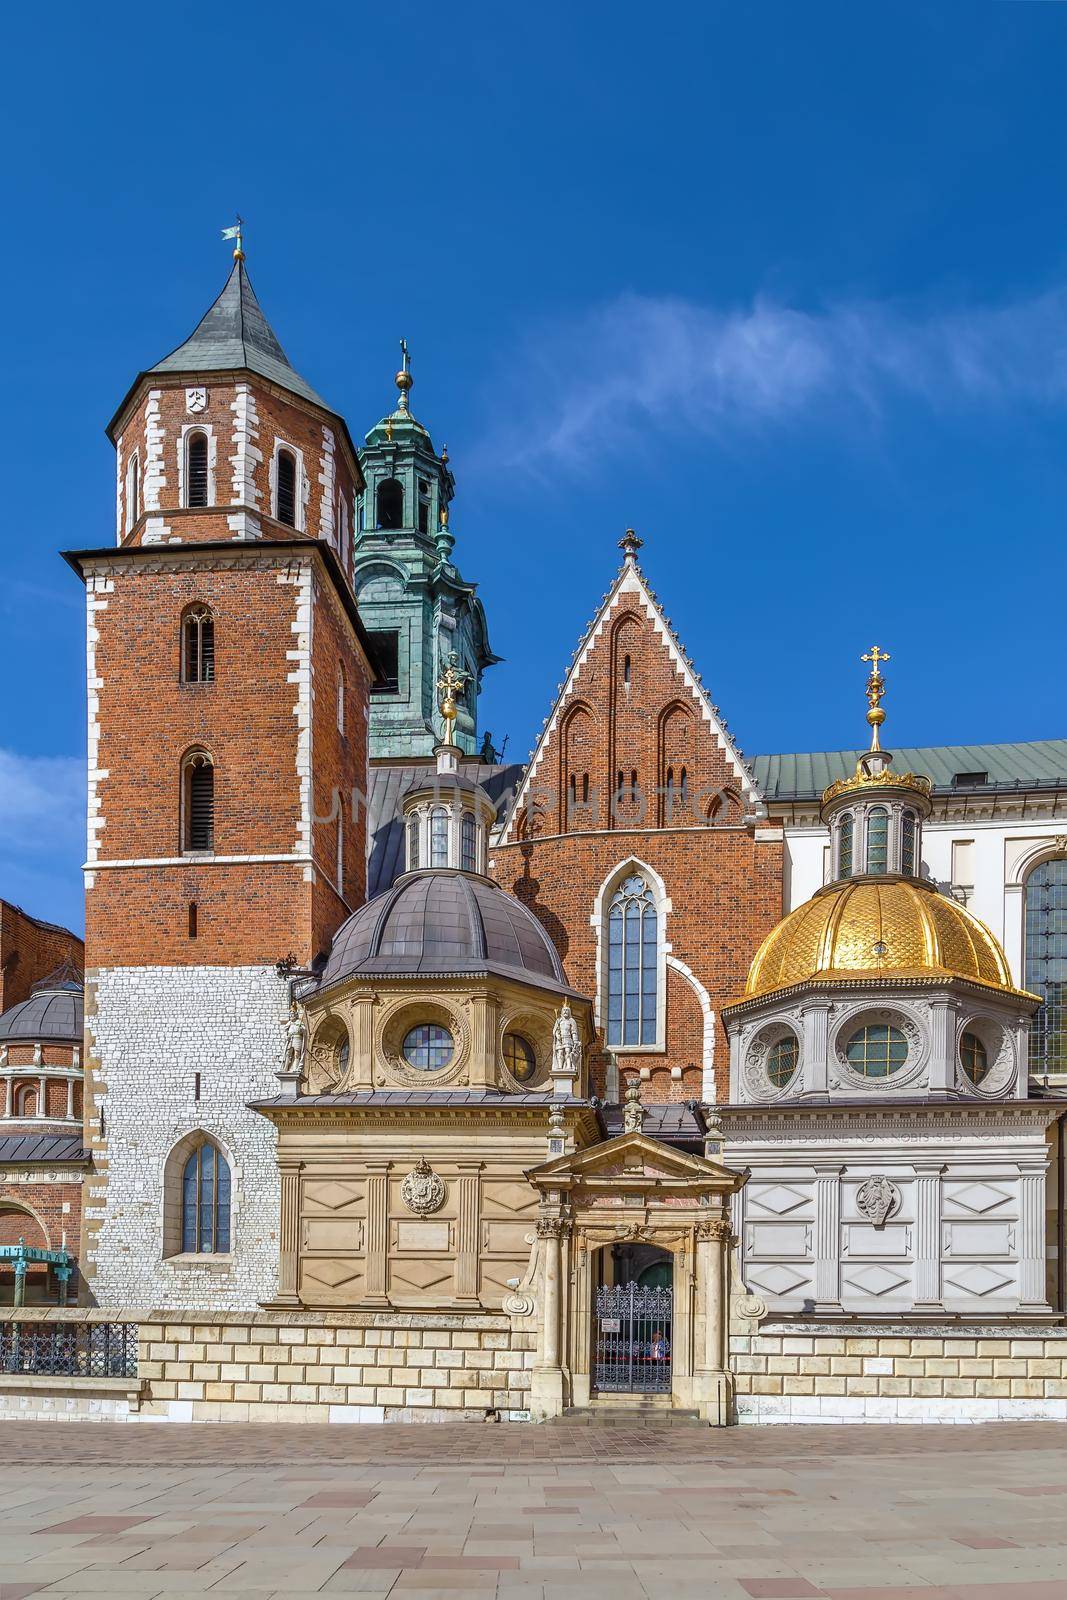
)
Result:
{"points": [[566, 1044], [296, 1038], [633, 1112]]}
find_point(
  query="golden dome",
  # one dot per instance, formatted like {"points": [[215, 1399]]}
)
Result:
{"points": [[878, 927]]}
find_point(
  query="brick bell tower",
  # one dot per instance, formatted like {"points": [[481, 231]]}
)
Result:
{"points": [[228, 681]]}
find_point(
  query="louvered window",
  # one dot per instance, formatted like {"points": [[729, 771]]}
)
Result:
{"points": [[199, 804], [287, 488], [196, 470], [198, 646]]}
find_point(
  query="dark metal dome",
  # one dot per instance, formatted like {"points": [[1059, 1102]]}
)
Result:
{"points": [[438, 922], [48, 1014]]}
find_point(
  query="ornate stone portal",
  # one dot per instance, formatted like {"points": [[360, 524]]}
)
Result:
{"points": [[632, 1188]]}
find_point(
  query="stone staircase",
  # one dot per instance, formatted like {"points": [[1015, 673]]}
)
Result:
{"points": [[631, 1411]]}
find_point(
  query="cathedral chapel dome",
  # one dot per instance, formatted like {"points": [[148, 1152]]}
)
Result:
{"points": [[878, 927], [49, 1013], [441, 921]]}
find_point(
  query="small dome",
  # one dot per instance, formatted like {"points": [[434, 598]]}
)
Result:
{"points": [[437, 922], [883, 927], [47, 1014]]}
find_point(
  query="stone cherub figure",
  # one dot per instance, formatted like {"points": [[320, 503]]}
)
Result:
{"points": [[296, 1038], [566, 1043]]}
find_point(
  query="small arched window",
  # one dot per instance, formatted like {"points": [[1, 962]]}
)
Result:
{"points": [[627, 672], [845, 831], [633, 964], [413, 843], [206, 1202], [424, 506], [287, 488], [390, 504], [26, 1102], [340, 698], [877, 839], [133, 491], [468, 843], [907, 843], [198, 646], [196, 469], [199, 801], [439, 820]]}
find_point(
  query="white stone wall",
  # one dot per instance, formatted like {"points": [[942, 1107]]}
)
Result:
{"points": [[151, 1029]]}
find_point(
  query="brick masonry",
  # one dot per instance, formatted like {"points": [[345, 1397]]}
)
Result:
{"points": [[633, 706], [29, 951]]}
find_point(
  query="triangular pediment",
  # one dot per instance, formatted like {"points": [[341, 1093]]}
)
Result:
{"points": [[635, 1158]]}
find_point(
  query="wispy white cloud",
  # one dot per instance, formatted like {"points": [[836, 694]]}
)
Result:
{"points": [[640, 365], [42, 833]]}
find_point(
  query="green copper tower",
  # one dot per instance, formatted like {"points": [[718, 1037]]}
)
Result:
{"points": [[421, 614]]}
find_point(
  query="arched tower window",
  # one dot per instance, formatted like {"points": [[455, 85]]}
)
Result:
{"points": [[206, 1202], [877, 839], [133, 491], [198, 774], [907, 843], [413, 843], [439, 821], [287, 488], [424, 506], [198, 645], [196, 469], [468, 858], [845, 832], [390, 504], [633, 964], [1046, 963]]}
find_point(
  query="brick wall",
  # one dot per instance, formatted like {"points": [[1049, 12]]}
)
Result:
{"points": [[631, 706], [29, 951]]}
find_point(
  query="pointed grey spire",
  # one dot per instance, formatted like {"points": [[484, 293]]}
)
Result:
{"points": [[234, 333]]}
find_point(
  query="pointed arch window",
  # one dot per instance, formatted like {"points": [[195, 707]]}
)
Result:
{"points": [[206, 1202], [199, 801], [633, 964], [287, 488], [196, 475], [198, 645]]}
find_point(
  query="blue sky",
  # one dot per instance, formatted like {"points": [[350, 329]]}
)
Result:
{"points": [[782, 286]]}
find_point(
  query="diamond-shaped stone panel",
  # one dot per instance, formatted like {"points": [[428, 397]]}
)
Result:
{"points": [[332, 1196], [780, 1199], [420, 1274], [875, 1280], [776, 1279], [978, 1198], [977, 1279], [332, 1274]]}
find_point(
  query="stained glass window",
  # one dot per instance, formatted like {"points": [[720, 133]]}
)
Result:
{"points": [[877, 1050], [206, 1202], [844, 845], [877, 838], [633, 964], [519, 1057], [1046, 964], [428, 1047], [439, 820], [782, 1062], [907, 843]]}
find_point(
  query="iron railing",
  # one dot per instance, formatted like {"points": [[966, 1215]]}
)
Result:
{"points": [[69, 1349], [633, 1340]]}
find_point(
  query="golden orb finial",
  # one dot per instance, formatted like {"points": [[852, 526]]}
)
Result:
{"points": [[404, 380]]}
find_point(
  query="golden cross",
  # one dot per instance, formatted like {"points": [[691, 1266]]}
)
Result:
{"points": [[874, 655], [449, 685]]}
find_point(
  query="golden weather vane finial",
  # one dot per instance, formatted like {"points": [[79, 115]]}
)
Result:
{"points": [[236, 233], [875, 691]]}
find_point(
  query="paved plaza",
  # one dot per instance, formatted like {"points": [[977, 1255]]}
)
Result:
{"points": [[549, 1513]]}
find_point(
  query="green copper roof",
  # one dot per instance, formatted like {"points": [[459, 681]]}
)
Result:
{"points": [[1006, 766], [234, 334]]}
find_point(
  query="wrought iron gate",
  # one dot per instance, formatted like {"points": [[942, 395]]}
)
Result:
{"points": [[633, 1340]]}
